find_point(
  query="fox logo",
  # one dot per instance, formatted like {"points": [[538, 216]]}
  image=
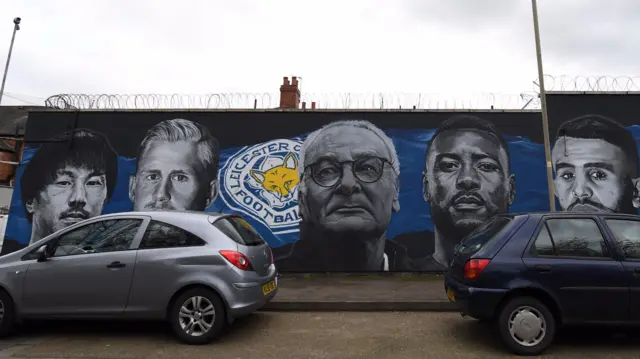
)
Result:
{"points": [[262, 181], [280, 180]]}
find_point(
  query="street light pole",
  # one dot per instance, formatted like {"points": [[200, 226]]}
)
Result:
{"points": [[543, 102], [16, 27]]}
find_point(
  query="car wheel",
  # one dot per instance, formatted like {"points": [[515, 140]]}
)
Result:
{"points": [[197, 316], [526, 326], [7, 314]]}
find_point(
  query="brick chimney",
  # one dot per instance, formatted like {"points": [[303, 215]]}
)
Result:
{"points": [[289, 93]]}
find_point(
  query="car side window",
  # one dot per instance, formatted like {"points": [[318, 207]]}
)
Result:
{"points": [[543, 245], [164, 235], [571, 237], [238, 230], [627, 236], [104, 236]]}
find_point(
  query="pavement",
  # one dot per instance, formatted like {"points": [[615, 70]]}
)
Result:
{"points": [[326, 335], [361, 292]]}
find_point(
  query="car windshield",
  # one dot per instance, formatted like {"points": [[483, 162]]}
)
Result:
{"points": [[482, 235]]}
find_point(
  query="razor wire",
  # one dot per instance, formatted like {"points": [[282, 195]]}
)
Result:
{"points": [[597, 83], [161, 101], [529, 100], [351, 101]]}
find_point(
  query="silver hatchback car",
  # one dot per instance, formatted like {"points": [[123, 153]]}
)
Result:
{"points": [[196, 270]]}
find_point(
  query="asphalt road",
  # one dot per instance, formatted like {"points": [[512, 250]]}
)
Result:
{"points": [[310, 335]]}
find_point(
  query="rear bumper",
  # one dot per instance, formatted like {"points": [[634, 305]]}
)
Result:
{"points": [[478, 303], [247, 297]]}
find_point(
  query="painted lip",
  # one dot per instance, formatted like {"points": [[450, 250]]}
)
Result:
{"points": [[160, 207], [74, 217], [468, 202], [586, 208], [350, 209], [468, 206]]}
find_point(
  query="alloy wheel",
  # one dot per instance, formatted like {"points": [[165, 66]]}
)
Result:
{"points": [[197, 315]]}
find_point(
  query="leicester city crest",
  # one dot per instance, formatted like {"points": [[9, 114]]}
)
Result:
{"points": [[262, 182]]}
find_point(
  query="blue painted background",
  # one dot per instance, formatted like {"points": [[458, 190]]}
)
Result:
{"points": [[527, 163]]}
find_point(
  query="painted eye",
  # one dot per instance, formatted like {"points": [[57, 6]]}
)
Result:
{"points": [[488, 167], [327, 172], [63, 183], [598, 175], [567, 176], [448, 166], [152, 177], [181, 178]]}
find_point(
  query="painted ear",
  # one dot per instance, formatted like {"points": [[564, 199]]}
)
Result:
{"points": [[257, 175], [213, 192], [636, 193], [29, 205], [132, 187], [425, 188], [395, 206], [290, 161], [512, 189]]}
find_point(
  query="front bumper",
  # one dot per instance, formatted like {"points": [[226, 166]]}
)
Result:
{"points": [[478, 303]]}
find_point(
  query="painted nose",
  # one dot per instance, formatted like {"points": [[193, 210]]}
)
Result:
{"points": [[468, 179], [348, 183], [581, 188], [78, 196], [163, 191]]}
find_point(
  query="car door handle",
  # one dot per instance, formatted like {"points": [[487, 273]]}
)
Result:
{"points": [[636, 271], [116, 264], [543, 268]]}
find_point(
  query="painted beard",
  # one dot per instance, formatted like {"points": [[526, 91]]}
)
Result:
{"points": [[624, 204], [452, 232]]}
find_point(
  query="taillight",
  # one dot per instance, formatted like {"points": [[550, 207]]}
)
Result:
{"points": [[474, 267], [271, 254], [237, 259]]}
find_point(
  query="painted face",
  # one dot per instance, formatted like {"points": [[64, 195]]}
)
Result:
{"points": [[74, 195], [467, 181], [170, 176], [346, 203], [590, 175]]}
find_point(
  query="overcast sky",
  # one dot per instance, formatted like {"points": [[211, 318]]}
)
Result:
{"points": [[452, 47]]}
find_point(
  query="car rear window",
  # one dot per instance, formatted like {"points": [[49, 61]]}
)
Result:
{"points": [[483, 235], [239, 231]]}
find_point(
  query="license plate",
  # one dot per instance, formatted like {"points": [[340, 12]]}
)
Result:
{"points": [[269, 287], [450, 294]]}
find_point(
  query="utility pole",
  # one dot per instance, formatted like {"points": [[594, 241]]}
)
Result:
{"points": [[543, 103], [16, 27]]}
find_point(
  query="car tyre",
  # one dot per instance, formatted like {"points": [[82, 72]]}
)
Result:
{"points": [[191, 318], [7, 314], [526, 326]]}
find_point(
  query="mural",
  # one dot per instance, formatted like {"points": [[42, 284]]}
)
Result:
{"points": [[329, 191], [65, 184], [595, 151]]}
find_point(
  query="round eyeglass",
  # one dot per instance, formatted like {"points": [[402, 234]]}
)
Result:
{"points": [[327, 172]]}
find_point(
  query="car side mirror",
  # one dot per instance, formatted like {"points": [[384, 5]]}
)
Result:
{"points": [[42, 253]]}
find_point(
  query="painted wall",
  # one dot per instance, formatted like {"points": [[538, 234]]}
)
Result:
{"points": [[594, 142], [329, 191]]}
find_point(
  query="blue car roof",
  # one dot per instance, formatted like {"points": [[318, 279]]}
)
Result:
{"points": [[540, 214]]}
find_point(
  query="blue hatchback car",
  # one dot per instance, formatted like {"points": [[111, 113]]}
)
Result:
{"points": [[529, 273]]}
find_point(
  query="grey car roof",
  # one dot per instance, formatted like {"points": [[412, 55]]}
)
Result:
{"points": [[159, 214], [155, 214]]}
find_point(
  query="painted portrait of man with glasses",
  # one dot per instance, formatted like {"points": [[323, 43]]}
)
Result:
{"points": [[348, 191]]}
